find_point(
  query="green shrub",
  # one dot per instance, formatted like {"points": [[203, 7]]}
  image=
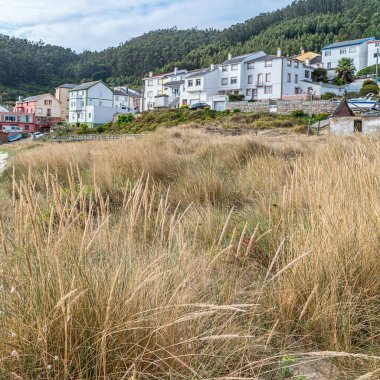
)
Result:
{"points": [[298, 113], [236, 110], [369, 87], [235, 98], [251, 101], [100, 129], [82, 129], [322, 116], [328, 96], [185, 107]]}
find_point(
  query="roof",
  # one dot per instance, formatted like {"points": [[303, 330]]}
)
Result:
{"points": [[35, 98], [2, 109], [67, 85], [307, 56], [86, 86], [349, 43], [202, 72], [119, 93], [240, 58], [158, 75], [373, 41], [343, 110], [174, 83]]}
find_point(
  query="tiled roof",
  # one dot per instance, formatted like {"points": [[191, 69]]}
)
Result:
{"points": [[35, 98], [349, 43], [68, 85], [86, 86]]}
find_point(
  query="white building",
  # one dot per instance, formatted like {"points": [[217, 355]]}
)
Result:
{"points": [[357, 50], [163, 90], [373, 52], [92, 104]]}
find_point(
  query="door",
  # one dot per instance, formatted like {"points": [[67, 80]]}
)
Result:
{"points": [[219, 106]]}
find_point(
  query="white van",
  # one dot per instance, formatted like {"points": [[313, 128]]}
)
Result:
{"points": [[12, 128]]}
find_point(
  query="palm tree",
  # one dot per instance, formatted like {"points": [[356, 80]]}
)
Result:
{"points": [[345, 70]]}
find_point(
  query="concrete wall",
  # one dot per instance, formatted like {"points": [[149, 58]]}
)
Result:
{"points": [[371, 125], [343, 126], [284, 106]]}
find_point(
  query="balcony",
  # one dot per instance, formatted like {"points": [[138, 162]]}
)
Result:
{"points": [[260, 84]]}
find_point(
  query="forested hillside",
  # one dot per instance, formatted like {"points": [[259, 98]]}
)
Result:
{"points": [[27, 67]]}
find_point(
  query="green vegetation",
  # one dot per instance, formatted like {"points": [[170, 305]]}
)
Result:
{"points": [[345, 71], [369, 70], [369, 87], [27, 67]]}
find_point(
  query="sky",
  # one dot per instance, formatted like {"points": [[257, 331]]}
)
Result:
{"points": [[95, 25]]}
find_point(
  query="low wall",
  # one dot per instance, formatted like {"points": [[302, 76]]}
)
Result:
{"points": [[345, 126], [284, 106]]}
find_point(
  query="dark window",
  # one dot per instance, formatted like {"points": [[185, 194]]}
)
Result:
{"points": [[358, 126]]}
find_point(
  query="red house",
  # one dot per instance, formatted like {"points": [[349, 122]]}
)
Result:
{"points": [[14, 120], [45, 108]]}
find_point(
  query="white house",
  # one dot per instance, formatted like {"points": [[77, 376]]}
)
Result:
{"points": [[357, 50], [163, 90], [92, 103], [373, 52]]}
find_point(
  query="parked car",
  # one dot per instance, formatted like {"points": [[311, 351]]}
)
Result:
{"points": [[199, 106], [38, 135]]}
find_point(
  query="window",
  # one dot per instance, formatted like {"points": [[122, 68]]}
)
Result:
{"points": [[234, 67], [327, 53], [39, 111], [198, 82], [48, 102], [250, 66], [296, 64], [268, 77], [234, 80], [26, 128], [190, 83], [376, 55], [10, 118], [353, 49], [89, 115], [307, 74], [296, 78], [254, 92], [116, 98], [343, 51], [289, 77], [159, 82], [329, 65], [150, 83], [268, 63], [224, 81], [48, 112], [268, 90], [260, 78], [225, 68], [377, 44], [248, 92], [250, 79], [289, 63]]}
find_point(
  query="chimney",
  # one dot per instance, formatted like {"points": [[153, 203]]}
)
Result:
{"points": [[176, 70], [150, 74], [279, 53], [212, 67], [308, 62], [302, 51], [229, 56]]}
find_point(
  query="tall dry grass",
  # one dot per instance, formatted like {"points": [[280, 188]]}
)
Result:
{"points": [[186, 256]]}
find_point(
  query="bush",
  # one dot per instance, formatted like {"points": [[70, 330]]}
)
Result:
{"points": [[251, 101], [185, 107], [369, 87], [100, 129], [298, 113], [235, 98], [82, 129], [328, 96], [236, 110]]}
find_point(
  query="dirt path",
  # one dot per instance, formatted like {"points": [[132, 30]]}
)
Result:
{"points": [[3, 161]]}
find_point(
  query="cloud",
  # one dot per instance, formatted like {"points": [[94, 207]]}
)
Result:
{"points": [[94, 25]]}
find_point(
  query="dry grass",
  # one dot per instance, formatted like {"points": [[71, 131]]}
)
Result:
{"points": [[186, 256]]}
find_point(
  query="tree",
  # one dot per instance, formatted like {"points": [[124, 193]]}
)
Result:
{"points": [[369, 87], [320, 75], [345, 70]]}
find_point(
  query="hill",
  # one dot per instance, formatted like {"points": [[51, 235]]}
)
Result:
{"points": [[27, 67]]}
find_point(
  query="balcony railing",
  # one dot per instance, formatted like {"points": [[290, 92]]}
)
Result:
{"points": [[260, 84]]}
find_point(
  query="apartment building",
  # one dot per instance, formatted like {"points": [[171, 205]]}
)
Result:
{"points": [[132, 97], [373, 52], [62, 94], [92, 103], [357, 50]]}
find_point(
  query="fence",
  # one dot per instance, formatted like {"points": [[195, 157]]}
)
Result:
{"points": [[80, 138]]}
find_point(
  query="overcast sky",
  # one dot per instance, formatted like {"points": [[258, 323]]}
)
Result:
{"points": [[95, 25]]}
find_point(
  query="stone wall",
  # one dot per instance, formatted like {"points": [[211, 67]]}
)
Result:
{"points": [[284, 106]]}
